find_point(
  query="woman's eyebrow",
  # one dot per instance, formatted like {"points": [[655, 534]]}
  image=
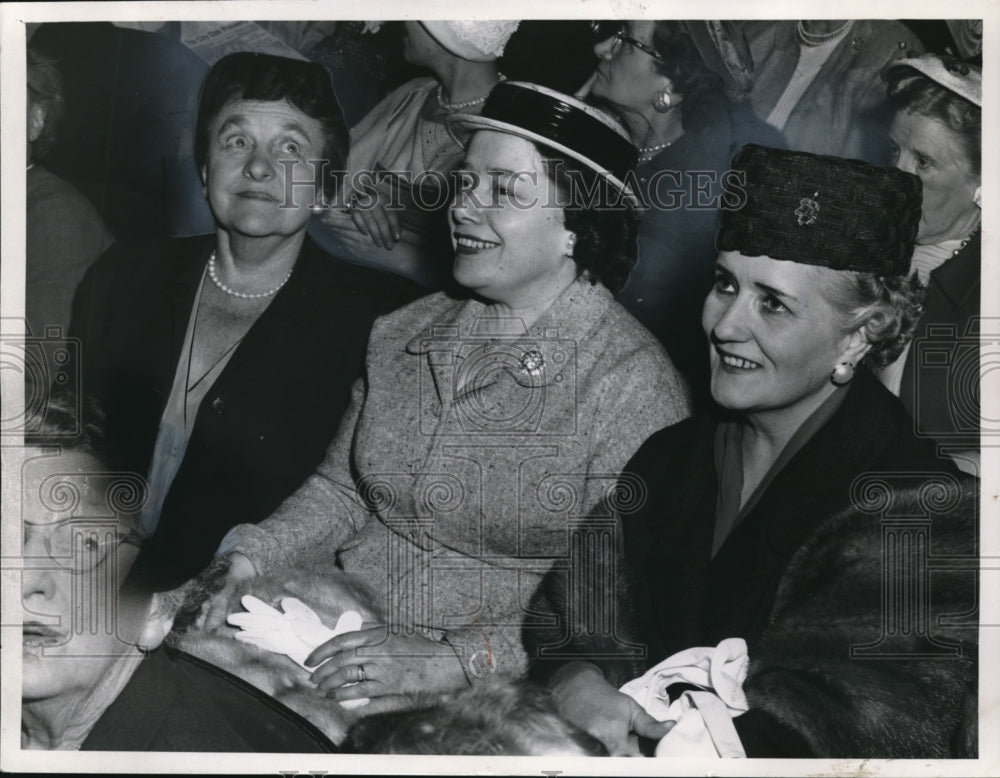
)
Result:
{"points": [[775, 291]]}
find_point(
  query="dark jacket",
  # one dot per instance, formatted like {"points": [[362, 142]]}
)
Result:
{"points": [[266, 422], [176, 702], [940, 385], [675, 595]]}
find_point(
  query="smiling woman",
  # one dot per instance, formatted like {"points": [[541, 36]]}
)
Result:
{"points": [[225, 362], [486, 422], [810, 292]]}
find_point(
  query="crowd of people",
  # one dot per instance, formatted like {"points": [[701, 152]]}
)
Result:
{"points": [[513, 421]]}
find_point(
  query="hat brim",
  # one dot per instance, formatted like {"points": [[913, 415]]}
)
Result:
{"points": [[462, 126]]}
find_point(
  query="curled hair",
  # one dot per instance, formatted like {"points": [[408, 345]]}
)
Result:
{"points": [[604, 223], [682, 63], [75, 423], [263, 77], [922, 96], [45, 88], [886, 308]]}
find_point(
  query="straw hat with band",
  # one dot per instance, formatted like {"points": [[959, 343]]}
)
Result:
{"points": [[843, 214], [562, 123]]}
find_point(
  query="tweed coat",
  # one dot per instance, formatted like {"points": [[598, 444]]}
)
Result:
{"points": [[469, 449], [676, 595], [263, 426]]}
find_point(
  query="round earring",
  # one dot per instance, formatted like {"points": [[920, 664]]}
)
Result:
{"points": [[662, 102], [842, 374], [977, 197]]}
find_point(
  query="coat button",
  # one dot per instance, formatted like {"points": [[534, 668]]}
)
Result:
{"points": [[218, 405]]}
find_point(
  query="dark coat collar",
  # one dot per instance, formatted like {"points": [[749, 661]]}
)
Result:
{"points": [[959, 277]]}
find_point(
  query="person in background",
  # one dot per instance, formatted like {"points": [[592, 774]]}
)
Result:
{"points": [[936, 134], [93, 674], [811, 293], [679, 88], [487, 421], [818, 81], [400, 224], [225, 361], [64, 232]]}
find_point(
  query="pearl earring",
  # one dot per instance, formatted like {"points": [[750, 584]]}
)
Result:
{"points": [[570, 244], [842, 374], [977, 197], [662, 102]]}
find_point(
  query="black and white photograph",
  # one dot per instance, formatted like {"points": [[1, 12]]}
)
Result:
{"points": [[603, 391]]}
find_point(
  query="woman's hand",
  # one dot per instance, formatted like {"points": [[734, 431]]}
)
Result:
{"points": [[586, 699], [217, 608], [376, 221], [399, 665]]}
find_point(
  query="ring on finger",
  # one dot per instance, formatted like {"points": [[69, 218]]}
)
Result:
{"points": [[362, 675]]}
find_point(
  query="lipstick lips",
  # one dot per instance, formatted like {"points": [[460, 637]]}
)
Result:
{"points": [[36, 633], [253, 194]]}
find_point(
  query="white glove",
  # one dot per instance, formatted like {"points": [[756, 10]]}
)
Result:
{"points": [[294, 633]]}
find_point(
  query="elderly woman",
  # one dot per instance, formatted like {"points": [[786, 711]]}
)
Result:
{"points": [[225, 362], [810, 290], [400, 224], [93, 674], [678, 87], [486, 423], [936, 134]]}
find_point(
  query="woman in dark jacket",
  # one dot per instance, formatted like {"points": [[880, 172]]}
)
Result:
{"points": [[225, 362], [810, 290], [679, 88], [936, 134]]}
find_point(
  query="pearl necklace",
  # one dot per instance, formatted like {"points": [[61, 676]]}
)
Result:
{"points": [[242, 295], [646, 153], [451, 107], [812, 39]]}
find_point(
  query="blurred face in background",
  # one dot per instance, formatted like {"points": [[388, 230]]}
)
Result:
{"points": [[626, 74], [931, 150]]}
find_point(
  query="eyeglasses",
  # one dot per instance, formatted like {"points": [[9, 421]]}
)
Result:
{"points": [[82, 543], [621, 37]]}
